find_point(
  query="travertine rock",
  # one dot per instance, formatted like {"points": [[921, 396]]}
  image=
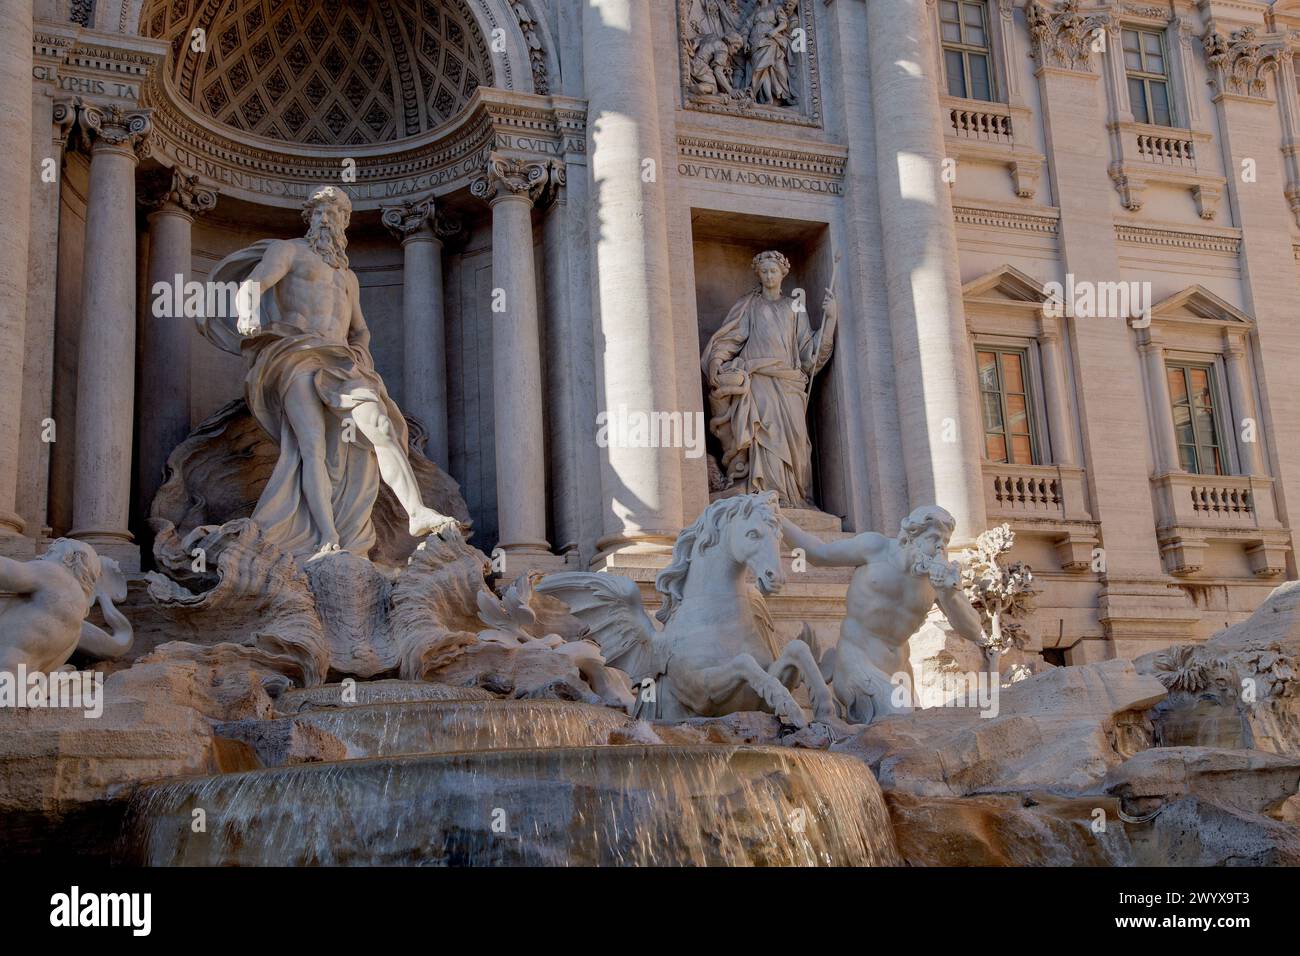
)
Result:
{"points": [[1060, 731]]}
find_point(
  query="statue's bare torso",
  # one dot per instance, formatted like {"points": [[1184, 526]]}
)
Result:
{"points": [[312, 295]]}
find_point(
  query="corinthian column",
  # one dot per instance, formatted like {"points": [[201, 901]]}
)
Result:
{"points": [[106, 354], [641, 494], [424, 353], [510, 186], [163, 411], [17, 174], [935, 376]]}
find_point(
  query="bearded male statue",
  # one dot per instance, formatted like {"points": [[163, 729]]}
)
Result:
{"points": [[312, 385]]}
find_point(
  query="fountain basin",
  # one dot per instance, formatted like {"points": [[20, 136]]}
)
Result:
{"points": [[428, 727], [612, 805]]}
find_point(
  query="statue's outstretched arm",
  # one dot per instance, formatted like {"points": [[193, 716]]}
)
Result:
{"points": [[965, 620], [847, 553], [17, 577]]}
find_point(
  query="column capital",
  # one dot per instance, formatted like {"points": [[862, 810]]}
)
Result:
{"points": [[505, 177], [180, 191], [64, 116], [1064, 37], [1241, 62], [411, 218], [112, 127]]}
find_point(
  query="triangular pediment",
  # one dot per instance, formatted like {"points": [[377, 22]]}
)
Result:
{"points": [[1199, 305], [1005, 282]]}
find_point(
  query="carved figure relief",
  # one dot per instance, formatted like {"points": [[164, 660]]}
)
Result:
{"points": [[749, 56]]}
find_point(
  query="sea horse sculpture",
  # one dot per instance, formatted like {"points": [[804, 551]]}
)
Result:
{"points": [[717, 652]]}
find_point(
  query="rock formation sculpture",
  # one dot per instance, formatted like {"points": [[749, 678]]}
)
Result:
{"points": [[894, 585], [759, 367], [717, 652], [313, 387], [42, 618]]}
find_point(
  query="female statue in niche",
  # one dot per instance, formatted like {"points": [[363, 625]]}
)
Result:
{"points": [[759, 367]]}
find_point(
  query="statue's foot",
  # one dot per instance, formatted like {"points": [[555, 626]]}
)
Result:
{"points": [[328, 548], [426, 521]]}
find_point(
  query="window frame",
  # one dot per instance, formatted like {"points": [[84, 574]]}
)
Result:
{"points": [[1146, 77], [1227, 449], [965, 50], [1030, 374]]}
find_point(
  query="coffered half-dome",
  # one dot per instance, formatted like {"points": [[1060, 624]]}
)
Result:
{"points": [[324, 72]]}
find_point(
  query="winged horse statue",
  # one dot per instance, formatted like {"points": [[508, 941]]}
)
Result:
{"points": [[717, 652]]}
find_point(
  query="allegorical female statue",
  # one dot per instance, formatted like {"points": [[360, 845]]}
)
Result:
{"points": [[759, 368]]}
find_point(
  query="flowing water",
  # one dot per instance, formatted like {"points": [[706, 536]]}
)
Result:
{"points": [[592, 805], [428, 727]]}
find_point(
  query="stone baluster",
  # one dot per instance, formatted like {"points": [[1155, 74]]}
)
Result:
{"points": [[510, 186], [424, 349], [163, 411], [106, 352]]}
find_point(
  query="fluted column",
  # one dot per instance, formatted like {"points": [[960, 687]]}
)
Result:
{"points": [[1153, 355], [935, 374], [16, 173], [510, 186], [163, 411], [1243, 404], [424, 357], [1056, 393], [641, 487], [106, 353]]}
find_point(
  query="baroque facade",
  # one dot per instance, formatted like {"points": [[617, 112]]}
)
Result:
{"points": [[1062, 239]]}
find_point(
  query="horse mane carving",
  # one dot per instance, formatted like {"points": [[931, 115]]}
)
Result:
{"points": [[707, 531]]}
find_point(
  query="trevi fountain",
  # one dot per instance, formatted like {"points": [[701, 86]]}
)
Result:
{"points": [[594, 433]]}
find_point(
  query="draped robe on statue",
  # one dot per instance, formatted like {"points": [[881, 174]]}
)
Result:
{"points": [[342, 375], [763, 422]]}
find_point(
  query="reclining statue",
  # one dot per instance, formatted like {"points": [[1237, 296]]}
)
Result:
{"points": [[895, 584], [42, 617]]}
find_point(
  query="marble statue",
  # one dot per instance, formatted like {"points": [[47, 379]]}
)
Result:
{"points": [[759, 368], [771, 25], [42, 615], [711, 63], [896, 582], [312, 385], [717, 652]]}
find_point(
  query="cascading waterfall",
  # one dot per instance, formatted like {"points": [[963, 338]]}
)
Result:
{"points": [[520, 782]]}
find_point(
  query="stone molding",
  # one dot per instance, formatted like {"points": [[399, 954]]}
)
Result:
{"points": [[1061, 34], [1225, 243], [986, 217], [264, 171]]}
